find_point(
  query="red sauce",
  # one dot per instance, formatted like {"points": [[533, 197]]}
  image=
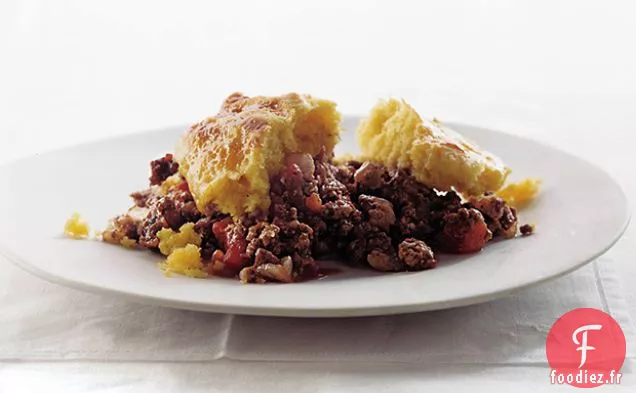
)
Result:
{"points": [[328, 271], [323, 272]]}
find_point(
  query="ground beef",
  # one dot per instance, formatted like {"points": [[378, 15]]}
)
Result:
{"points": [[296, 237], [501, 218], [526, 229], [414, 220], [263, 257], [378, 211], [418, 208], [384, 261], [263, 235], [376, 217], [209, 243], [370, 176], [330, 187], [279, 251], [280, 244], [172, 210], [287, 189], [463, 231], [394, 207], [268, 268], [124, 226], [345, 174], [416, 255], [149, 229], [402, 188], [140, 198], [177, 208], [372, 247], [162, 168], [338, 216]]}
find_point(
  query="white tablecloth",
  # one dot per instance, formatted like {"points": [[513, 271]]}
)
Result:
{"points": [[45, 322], [560, 72]]}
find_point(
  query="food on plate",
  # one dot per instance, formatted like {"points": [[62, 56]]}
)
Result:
{"points": [[255, 192], [521, 193], [395, 135], [76, 227], [170, 240], [185, 260]]}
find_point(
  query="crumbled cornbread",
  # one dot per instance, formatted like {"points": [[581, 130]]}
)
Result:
{"points": [[521, 193], [76, 227], [396, 136], [228, 159], [127, 242], [170, 240], [185, 261]]}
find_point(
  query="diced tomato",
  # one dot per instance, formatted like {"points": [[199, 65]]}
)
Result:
{"points": [[217, 255], [183, 186], [313, 203], [472, 239], [216, 267], [235, 257], [477, 238], [219, 229]]}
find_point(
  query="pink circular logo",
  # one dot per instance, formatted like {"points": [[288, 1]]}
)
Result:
{"points": [[585, 348]]}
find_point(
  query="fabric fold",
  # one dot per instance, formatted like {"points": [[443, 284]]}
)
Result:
{"points": [[43, 321]]}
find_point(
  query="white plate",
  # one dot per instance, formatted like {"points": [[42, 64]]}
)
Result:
{"points": [[581, 212]]}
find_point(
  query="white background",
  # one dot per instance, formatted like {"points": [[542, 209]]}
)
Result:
{"points": [[563, 72]]}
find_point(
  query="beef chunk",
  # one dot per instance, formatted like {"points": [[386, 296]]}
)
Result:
{"points": [[268, 268], [526, 229], [501, 218], [162, 168], [464, 231], [383, 261], [121, 227], [263, 235], [172, 210], [370, 176], [140, 198], [416, 255], [379, 211], [209, 243], [373, 248]]}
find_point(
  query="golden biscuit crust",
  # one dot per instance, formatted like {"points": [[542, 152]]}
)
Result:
{"points": [[228, 159], [395, 135]]}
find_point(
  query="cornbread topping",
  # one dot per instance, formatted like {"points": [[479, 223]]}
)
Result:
{"points": [[228, 159], [396, 136], [255, 193], [521, 193]]}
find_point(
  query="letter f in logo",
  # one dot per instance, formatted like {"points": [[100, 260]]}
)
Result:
{"points": [[584, 347]]}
